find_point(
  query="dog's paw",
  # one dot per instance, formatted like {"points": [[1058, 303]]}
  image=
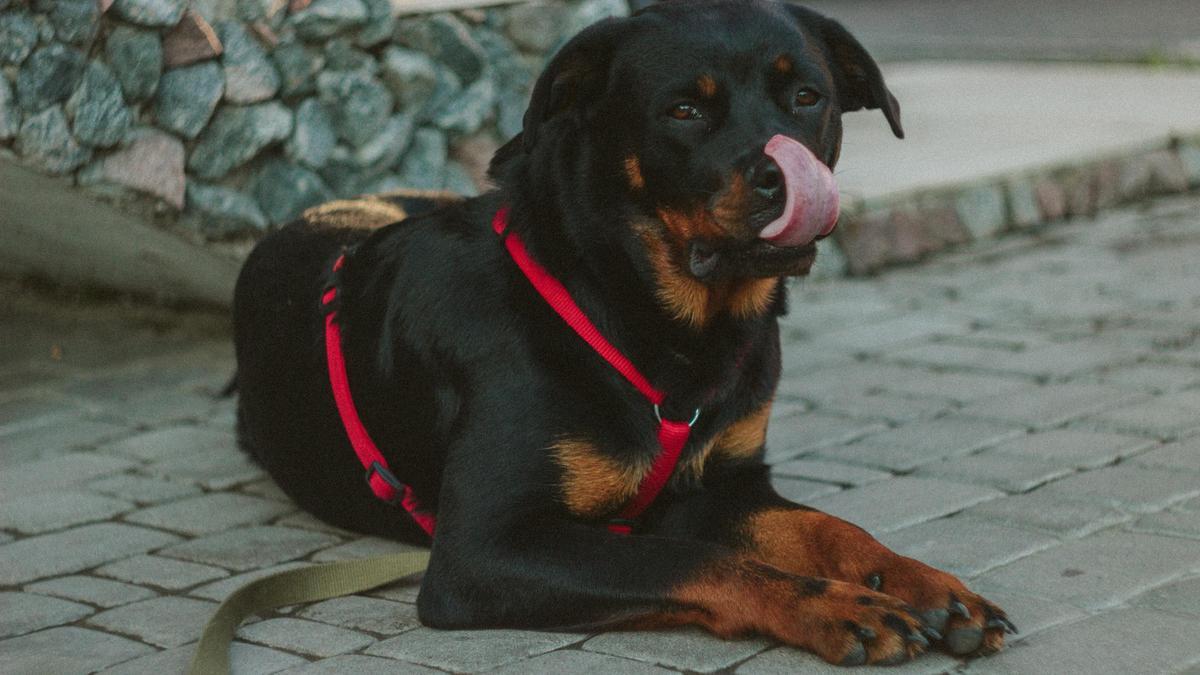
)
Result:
{"points": [[966, 624], [849, 625]]}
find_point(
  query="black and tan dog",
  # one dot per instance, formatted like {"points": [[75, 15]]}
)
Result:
{"points": [[671, 171]]}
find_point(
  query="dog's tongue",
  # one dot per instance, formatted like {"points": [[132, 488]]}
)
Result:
{"points": [[811, 209]]}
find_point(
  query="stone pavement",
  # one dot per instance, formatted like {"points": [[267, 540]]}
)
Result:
{"points": [[1024, 413]]}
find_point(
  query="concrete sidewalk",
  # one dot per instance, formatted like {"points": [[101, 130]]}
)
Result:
{"points": [[1023, 414]]}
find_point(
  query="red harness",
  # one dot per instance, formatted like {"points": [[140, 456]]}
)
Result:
{"points": [[672, 435]]}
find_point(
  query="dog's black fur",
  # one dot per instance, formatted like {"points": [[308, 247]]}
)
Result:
{"points": [[639, 181]]}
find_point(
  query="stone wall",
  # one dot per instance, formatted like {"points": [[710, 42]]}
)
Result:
{"points": [[229, 116]]}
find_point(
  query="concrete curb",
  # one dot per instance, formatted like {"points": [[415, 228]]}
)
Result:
{"points": [[907, 227]]}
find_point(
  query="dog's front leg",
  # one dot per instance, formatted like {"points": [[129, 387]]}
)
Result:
{"points": [[740, 509], [553, 573]]}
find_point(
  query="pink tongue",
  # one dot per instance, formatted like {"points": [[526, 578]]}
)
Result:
{"points": [[812, 197]]}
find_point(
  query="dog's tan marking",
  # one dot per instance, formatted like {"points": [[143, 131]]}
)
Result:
{"points": [[633, 172], [707, 86], [594, 484], [742, 439], [752, 298], [686, 298], [782, 64]]}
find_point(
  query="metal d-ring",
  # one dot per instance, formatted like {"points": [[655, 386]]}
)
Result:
{"points": [[692, 423]]}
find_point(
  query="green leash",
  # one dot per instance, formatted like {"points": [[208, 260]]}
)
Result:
{"points": [[291, 587]]}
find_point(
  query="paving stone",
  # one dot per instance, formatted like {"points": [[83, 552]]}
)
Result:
{"points": [[891, 331], [1030, 613], [1051, 405], [1073, 648], [1180, 597], [951, 356], [219, 590], [922, 442], [100, 592], [1051, 513], [209, 513], [1011, 473], [52, 437], [901, 502], [359, 665], [161, 443], [166, 622], [685, 649], [364, 547], [469, 650], [152, 570], [35, 514], [305, 637], [785, 661], [244, 659], [1099, 571], [73, 550], [1180, 523], [964, 545], [793, 435], [42, 652], [1078, 448], [1184, 456], [373, 615], [801, 491], [1152, 377], [212, 470], [575, 661], [846, 475], [1130, 488], [267, 489], [56, 473], [22, 613], [889, 407], [1167, 417], [251, 547], [306, 521], [142, 490]]}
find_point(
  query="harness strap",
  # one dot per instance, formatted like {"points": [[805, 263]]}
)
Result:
{"points": [[564, 305], [382, 481], [672, 435]]}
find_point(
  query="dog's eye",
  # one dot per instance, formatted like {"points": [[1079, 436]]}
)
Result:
{"points": [[685, 112], [806, 98]]}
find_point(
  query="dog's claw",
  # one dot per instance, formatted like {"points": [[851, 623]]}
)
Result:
{"points": [[875, 581], [935, 618], [931, 633], [1001, 622], [856, 657], [960, 609], [917, 638]]}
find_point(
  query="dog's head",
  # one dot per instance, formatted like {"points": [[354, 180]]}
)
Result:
{"points": [[710, 126]]}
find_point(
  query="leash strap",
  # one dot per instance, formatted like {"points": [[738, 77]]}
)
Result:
{"points": [[290, 587], [672, 436]]}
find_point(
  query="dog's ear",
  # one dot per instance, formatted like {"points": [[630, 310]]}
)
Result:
{"points": [[860, 83], [576, 76]]}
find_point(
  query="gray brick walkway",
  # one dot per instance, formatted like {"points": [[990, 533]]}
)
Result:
{"points": [[1025, 414]]}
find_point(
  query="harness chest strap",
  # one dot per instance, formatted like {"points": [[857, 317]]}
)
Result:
{"points": [[672, 435]]}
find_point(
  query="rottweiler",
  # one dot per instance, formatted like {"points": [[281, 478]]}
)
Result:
{"points": [[573, 373]]}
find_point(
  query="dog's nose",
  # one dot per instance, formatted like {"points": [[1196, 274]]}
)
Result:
{"points": [[766, 179]]}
